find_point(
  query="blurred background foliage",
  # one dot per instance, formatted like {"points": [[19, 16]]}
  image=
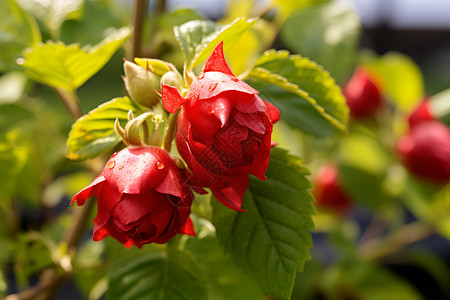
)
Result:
{"points": [[392, 241]]}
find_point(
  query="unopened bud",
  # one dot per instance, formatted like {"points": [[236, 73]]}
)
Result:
{"points": [[141, 84], [173, 78]]}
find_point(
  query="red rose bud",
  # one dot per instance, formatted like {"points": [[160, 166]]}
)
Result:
{"points": [[363, 96], [141, 84], [425, 151], [223, 130], [328, 191], [142, 197], [421, 114]]}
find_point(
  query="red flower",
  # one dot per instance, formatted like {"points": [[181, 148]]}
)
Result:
{"points": [[329, 192], [362, 94], [421, 114], [223, 130], [426, 151], [142, 197]]}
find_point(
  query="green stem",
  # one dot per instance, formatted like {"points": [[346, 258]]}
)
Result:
{"points": [[380, 248], [169, 131], [71, 101]]}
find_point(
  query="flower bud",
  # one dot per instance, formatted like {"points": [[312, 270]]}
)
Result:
{"points": [[141, 84], [329, 193], [173, 79], [425, 151], [362, 95], [421, 114]]}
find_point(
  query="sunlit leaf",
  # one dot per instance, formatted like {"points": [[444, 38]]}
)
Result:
{"points": [[271, 239], [18, 30], [69, 66], [289, 7], [310, 99], [172, 275], [198, 38], [53, 12], [328, 34], [94, 133]]}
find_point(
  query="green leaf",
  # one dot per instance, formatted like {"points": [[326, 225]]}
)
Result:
{"points": [[94, 133], [272, 238], [172, 275], [18, 31], [399, 77], [3, 286], [69, 66], [313, 98], [198, 38], [54, 12], [288, 7], [328, 34], [440, 106]]}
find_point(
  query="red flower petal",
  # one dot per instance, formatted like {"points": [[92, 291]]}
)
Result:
{"points": [[89, 191], [187, 227], [135, 170], [273, 112], [107, 200], [171, 98], [216, 61], [233, 194]]}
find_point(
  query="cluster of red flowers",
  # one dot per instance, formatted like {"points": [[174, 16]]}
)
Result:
{"points": [[424, 150], [223, 134]]}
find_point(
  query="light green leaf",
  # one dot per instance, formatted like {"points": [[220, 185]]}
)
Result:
{"points": [[172, 275], [440, 106], [399, 77], [3, 286], [18, 30], [69, 66], [198, 38], [314, 98], [94, 133], [53, 12], [272, 238], [328, 34]]}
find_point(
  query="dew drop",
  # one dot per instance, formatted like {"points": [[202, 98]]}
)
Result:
{"points": [[121, 167], [160, 165], [201, 75], [115, 153], [213, 86], [111, 164], [235, 79], [210, 110]]}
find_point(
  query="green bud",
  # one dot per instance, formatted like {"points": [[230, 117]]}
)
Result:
{"points": [[173, 78], [143, 130], [141, 84]]}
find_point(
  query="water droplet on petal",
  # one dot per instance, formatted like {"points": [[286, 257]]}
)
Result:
{"points": [[201, 75], [235, 79], [121, 167], [111, 164], [115, 153], [210, 110], [160, 165], [213, 86]]}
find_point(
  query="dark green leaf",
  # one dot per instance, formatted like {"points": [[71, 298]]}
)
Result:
{"points": [[225, 279], [172, 275], [328, 34], [69, 66], [94, 133], [198, 38], [272, 238], [18, 31], [308, 97]]}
